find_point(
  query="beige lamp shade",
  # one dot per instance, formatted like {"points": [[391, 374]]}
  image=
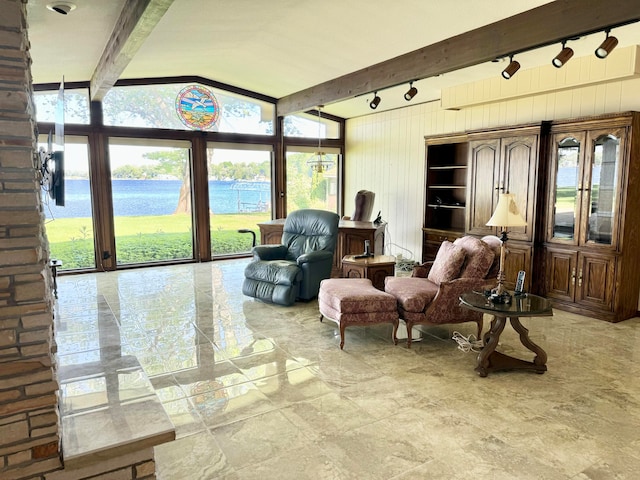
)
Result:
{"points": [[506, 213]]}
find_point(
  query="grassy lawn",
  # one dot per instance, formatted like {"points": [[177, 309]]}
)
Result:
{"points": [[149, 238]]}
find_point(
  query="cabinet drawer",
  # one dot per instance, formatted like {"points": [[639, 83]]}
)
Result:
{"points": [[431, 241], [439, 237]]}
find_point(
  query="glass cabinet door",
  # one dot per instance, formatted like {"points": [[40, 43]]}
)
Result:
{"points": [[602, 194], [566, 182]]}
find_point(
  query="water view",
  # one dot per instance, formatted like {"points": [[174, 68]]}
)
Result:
{"points": [[160, 197]]}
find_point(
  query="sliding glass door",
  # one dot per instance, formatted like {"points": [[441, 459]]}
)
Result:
{"points": [[152, 191]]}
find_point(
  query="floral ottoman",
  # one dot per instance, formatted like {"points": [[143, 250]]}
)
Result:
{"points": [[355, 301]]}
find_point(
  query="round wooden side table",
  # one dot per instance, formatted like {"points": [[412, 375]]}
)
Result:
{"points": [[527, 305]]}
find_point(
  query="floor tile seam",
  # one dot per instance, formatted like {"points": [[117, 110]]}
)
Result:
{"points": [[211, 428], [276, 374]]}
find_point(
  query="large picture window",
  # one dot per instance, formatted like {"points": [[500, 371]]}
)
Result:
{"points": [[179, 172], [239, 194], [70, 227], [309, 188]]}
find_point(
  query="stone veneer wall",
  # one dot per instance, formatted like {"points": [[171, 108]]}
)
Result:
{"points": [[29, 423]]}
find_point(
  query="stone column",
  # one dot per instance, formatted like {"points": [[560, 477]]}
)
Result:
{"points": [[29, 423]]}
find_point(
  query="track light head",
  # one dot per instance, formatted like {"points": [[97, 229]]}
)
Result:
{"points": [[412, 92], [511, 69], [374, 103], [606, 46], [563, 57]]}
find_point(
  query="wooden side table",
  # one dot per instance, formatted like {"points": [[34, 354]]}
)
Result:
{"points": [[375, 268], [528, 305]]}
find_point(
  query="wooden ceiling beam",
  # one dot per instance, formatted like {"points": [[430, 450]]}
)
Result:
{"points": [[544, 25], [136, 22]]}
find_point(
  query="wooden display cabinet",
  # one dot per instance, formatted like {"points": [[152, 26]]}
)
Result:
{"points": [[576, 183], [592, 244]]}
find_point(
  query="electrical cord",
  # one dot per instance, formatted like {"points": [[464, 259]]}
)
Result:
{"points": [[404, 263], [468, 344]]}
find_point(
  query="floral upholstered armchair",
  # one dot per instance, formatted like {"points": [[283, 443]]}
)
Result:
{"points": [[431, 295]]}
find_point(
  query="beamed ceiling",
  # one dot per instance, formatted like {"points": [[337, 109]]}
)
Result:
{"points": [[306, 53]]}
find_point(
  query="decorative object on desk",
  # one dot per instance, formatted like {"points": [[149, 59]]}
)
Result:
{"points": [[378, 220], [367, 250], [320, 162], [505, 215], [519, 290]]}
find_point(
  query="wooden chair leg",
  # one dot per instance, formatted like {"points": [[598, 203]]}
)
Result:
{"points": [[342, 328], [394, 335], [409, 329]]}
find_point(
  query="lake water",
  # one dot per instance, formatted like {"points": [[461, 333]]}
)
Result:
{"points": [[160, 197]]}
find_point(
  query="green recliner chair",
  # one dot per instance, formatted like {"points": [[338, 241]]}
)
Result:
{"points": [[293, 270]]}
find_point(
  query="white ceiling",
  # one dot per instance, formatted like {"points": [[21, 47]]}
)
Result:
{"points": [[280, 47]]}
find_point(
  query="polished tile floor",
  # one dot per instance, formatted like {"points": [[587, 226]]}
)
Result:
{"points": [[258, 391]]}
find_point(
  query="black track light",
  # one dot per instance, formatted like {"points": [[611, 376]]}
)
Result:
{"points": [[374, 103], [412, 92], [606, 46], [511, 69], [563, 57]]}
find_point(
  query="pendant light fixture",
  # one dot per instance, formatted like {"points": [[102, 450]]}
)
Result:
{"points": [[320, 161]]}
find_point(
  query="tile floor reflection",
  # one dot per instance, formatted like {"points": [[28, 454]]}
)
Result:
{"points": [[262, 391]]}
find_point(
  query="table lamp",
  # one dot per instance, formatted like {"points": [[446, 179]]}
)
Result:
{"points": [[505, 215]]}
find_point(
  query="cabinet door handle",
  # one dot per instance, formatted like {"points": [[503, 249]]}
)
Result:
{"points": [[580, 279], [496, 187], [573, 276]]}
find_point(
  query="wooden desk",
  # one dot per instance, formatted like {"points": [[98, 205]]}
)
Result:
{"points": [[375, 268], [351, 238]]}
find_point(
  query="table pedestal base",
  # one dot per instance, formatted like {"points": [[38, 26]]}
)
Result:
{"points": [[491, 361]]}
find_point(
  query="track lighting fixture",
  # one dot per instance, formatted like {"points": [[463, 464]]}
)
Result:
{"points": [[563, 57], [511, 69], [374, 103], [606, 46], [412, 92]]}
